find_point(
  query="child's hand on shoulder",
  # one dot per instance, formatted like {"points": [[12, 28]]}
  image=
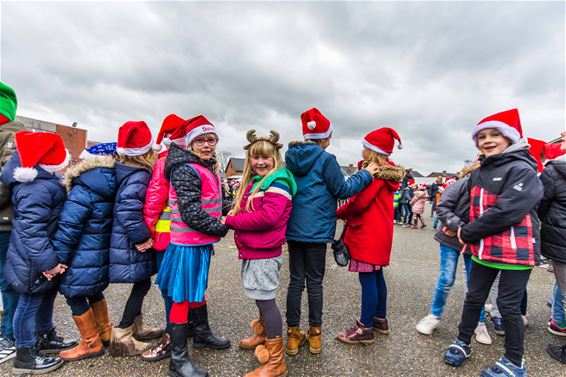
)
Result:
{"points": [[372, 168]]}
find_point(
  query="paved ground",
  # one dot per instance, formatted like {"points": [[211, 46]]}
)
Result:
{"points": [[411, 278]]}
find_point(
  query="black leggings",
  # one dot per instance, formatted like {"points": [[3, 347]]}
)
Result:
{"points": [[271, 315], [134, 304], [80, 304]]}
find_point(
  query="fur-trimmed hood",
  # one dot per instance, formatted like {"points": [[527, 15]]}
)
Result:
{"points": [[95, 173], [393, 173]]}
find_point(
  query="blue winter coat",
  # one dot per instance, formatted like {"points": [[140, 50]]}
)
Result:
{"points": [[82, 240], [36, 207], [320, 183], [127, 264]]}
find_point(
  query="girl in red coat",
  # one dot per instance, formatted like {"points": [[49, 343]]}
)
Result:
{"points": [[368, 220]]}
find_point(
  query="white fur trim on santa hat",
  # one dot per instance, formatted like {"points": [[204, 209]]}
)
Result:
{"points": [[322, 135], [55, 168], [505, 129], [200, 130], [135, 151], [86, 155], [374, 148], [25, 174]]}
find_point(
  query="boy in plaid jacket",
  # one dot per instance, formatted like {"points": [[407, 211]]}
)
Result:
{"points": [[503, 236]]}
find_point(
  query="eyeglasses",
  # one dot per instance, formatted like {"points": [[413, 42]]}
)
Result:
{"points": [[210, 141]]}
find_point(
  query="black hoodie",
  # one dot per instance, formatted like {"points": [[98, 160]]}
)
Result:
{"points": [[552, 211]]}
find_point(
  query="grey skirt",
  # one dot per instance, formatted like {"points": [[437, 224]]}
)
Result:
{"points": [[260, 277]]}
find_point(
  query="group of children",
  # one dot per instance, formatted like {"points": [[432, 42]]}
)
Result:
{"points": [[124, 213], [409, 203]]}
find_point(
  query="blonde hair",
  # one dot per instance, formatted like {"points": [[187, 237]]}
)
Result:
{"points": [[146, 160], [262, 148], [377, 158]]}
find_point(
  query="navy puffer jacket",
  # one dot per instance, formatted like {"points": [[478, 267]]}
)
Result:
{"points": [[127, 264], [36, 207], [82, 240], [552, 211]]}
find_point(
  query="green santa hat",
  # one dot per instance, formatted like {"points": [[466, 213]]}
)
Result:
{"points": [[8, 104]]}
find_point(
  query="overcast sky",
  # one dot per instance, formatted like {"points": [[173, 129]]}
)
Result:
{"points": [[431, 70]]}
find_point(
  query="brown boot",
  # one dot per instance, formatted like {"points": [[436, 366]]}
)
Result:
{"points": [[380, 325], [100, 310], [90, 345], [295, 339], [124, 344], [144, 332], [275, 365], [255, 340], [314, 338]]}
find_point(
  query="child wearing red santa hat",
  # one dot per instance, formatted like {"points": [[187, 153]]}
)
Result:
{"points": [[32, 268], [130, 258], [503, 234], [368, 235]]}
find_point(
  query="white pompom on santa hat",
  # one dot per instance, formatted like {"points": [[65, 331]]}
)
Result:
{"points": [[315, 125], [507, 122], [172, 130], [39, 148], [196, 127], [134, 139], [382, 140]]}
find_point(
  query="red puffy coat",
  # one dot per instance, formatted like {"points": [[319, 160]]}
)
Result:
{"points": [[369, 216]]}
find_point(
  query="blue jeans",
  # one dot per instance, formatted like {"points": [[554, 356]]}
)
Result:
{"points": [[448, 267], [557, 305], [9, 296], [34, 314], [167, 300], [374, 296], [407, 213]]}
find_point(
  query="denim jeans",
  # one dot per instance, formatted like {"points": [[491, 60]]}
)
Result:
{"points": [[167, 300], [560, 282], [81, 304], [9, 296], [34, 314], [307, 262], [557, 305], [448, 267], [407, 213]]}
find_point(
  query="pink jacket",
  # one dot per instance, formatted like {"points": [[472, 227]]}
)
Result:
{"points": [[261, 233], [155, 210], [418, 202]]}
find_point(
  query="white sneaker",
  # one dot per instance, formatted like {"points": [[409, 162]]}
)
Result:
{"points": [[525, 319], [7, 350], [488, 308], [428, 324], [482, 336]]}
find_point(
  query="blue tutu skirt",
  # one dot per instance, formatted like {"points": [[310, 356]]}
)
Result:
{"points": [[183, 274]]}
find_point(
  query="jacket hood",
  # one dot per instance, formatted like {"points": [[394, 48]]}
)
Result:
{"points": [[87, 172], [301, 156], [178, 156], [559, 166], [517, 151], [124, 171], [280, 174], [7, 176]]}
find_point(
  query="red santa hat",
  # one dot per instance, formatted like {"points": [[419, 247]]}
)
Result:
{"points": [[134, 139], [411, 182], [449, 181], [315, 125], [39, 148], [196, 127], [506, 122], [382, 140], [171, 130]]}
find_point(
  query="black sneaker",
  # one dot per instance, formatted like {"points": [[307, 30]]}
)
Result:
{"points": [[7, 349], [51, 343], [29, 361]]}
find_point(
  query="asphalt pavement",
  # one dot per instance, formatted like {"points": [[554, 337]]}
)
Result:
{"points": [[410, 277]]}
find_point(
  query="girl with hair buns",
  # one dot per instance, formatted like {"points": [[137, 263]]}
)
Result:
{"points": [[259, 218]]}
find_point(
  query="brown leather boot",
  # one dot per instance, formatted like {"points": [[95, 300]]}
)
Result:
{"points": [[380, 325], [255, 340], [100, 310], [295, 339], [90, 345], [144, 332], [275, 365], [314, 338], [124, 344]]}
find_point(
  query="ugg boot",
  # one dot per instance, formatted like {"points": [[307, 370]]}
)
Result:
{"points": [[51, 343], [314, 339], [29, 361], [204, 337], [180, 364], [100, 310], [144, 332], [258, 338], [90, 345], [273, 360], [295, 339], [123, 343]]}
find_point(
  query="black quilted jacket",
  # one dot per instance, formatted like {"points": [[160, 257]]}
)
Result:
{"points": [[552, 211]]}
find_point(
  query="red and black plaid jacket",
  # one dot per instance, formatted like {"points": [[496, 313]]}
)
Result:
{"points": [[504, 193]]}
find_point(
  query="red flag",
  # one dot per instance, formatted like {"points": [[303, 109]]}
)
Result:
{"points": [[552, 151], [537, 148]]}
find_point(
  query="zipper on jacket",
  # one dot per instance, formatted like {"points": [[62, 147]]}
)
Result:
{"points": [[480, 251]]}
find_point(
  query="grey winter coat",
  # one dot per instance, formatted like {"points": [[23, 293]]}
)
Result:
{"points": [[453, 211]]}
